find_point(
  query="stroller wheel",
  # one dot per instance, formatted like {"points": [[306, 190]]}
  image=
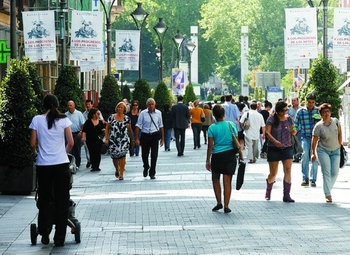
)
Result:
{"points": [[33, 233], [88, 164], [77, 232]]}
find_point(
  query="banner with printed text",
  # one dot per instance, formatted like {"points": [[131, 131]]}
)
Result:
{"points": [[39, 35], [341, 38], [178, 78], [303, 63], [301, 33], [127, 49], [86, 36]]}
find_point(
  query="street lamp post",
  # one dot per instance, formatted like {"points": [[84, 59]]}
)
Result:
{"points": [[325, 35], [178, 40], [13, 29], [107, 9], [63, 10], [190, 47], [161, 29], [157, 53], [139, 16]]}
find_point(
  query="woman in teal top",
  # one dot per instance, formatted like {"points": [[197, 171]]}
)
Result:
{"points": [[221, 158]]}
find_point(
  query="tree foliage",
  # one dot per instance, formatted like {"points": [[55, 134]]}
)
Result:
{"points": [[162, 96], [189, 94], [68, 88], [323, 77], [110, 96], [141, 92], [17, 109]]}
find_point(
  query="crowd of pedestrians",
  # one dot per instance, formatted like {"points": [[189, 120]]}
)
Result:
{"points": [[271, 127]]}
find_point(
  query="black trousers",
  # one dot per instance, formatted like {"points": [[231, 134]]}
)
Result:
{"points": [[76, 150], [95, 147], [150, 142], [53, 199], [180, 139]]}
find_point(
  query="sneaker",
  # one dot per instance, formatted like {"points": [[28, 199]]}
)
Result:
{"points": [[313, 184], [305, 183]]}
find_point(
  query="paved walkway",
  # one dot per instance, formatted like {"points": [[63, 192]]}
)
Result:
{"points": [[172, 214]]}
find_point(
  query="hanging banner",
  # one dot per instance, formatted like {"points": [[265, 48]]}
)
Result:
{"points": [[127, 49], [178, 81], [294, 63], [341, 40], [39, 35], [87, 66], [86, 36], [301, 33], [340, 63]]}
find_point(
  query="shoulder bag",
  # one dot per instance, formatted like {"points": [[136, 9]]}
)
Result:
{"points": [[235, 142]]}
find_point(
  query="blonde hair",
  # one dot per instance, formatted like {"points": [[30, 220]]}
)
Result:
{"points": [[120, 103]]}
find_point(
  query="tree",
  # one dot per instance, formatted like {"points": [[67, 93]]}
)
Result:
{"points": [[126, 92], [68, 88], [110, 96], [141, 92], [37, 86], [189, 94], [323, 77], [162, 96], [17, 110]]}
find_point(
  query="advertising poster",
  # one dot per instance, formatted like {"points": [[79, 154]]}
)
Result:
{"points": [[301, 33], [178, 81], [39, 35], [127, 49], [341, 36], [86, 36]]}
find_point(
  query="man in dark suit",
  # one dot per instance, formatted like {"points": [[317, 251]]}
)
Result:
{"points": [[181, 115]]}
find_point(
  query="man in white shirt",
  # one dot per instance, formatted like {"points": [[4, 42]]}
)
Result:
{"points": [[253, 133], [78, 120]]}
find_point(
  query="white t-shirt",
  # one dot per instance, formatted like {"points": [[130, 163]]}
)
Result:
{"points": [[52, 148], [256, 122]]}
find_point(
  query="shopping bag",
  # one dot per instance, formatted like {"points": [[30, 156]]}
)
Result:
{"points": [[240, 175]]}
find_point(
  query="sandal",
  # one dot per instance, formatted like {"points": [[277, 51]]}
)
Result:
{"points": [[329, 199], [121, 178]]}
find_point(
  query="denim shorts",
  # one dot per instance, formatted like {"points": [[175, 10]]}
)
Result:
{"points": [[277, 154]]}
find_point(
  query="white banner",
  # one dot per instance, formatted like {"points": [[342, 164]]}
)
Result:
{"points": [[86, 36], [341, 41], [301, 33], [127, 49], [303, 63], [178, 78], [39, 35], [87, 66]]}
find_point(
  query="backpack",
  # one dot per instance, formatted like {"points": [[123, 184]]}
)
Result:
{"points": [[246, 123]]}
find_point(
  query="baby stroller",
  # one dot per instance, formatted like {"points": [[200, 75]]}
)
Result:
{"points": [[72, 222]]}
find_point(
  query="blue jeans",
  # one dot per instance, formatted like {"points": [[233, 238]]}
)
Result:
{"points": [[306, 143], [196, 129], [167, 138], [329, 161]]}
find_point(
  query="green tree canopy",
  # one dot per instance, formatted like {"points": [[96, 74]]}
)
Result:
{"points": [[110, 96], [68, 88]]}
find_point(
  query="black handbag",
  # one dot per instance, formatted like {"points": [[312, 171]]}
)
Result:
{"points": [[343, 157], [240, 175]]}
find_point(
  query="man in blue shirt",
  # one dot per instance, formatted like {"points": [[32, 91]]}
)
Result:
{"points": [[150, 124], [78, 120], [292, 112], [304, 123]]}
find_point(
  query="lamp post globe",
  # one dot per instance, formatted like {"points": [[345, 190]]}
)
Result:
{"points": [[161, 29], [178, 40], [190, 47], [139, 16]]}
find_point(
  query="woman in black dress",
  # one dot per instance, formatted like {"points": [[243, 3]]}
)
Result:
{"points": [[93, 131]]}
